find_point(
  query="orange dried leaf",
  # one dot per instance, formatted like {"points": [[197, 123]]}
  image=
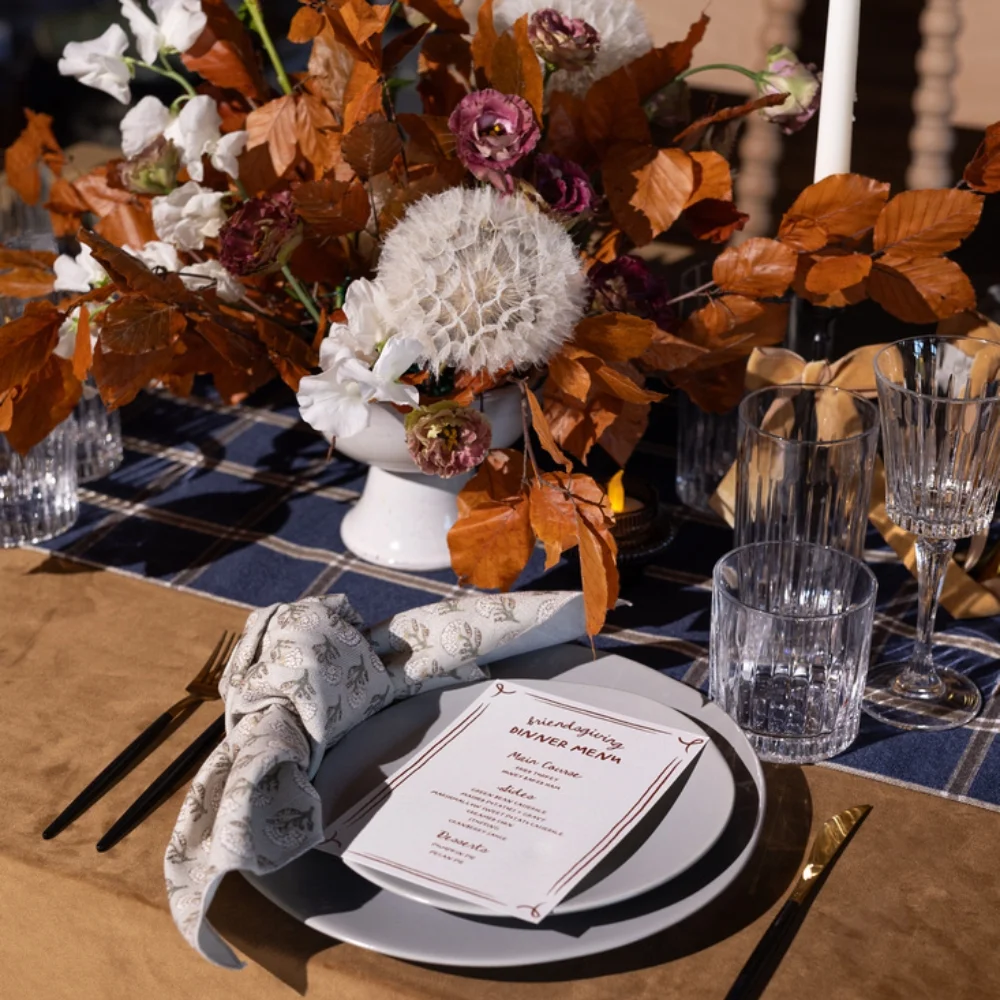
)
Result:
{"points": [[485, 39], [598, 572], [564, 134], [83, 350], [224, 53], [36, 144], [802, 234], [927, 222], [836, 273], [492, 543], [624, 435], [275, 125], [99, 195], [137, 325], [983, 173], [712, 178], [306, 25], [515, 67], [920, 289], [332, 208], [27, 342], [699, 125], [358, 25], [669, 352], [759, 267], [128, 272], [128, 226], [615, 337], [612, 113], [845, 205], [26, 274], [619, 384], [569, 374], [45, 401], [402, 45], [663, 187], [121, 377], [658, 67], [363, 94], [498, 478], [713, 219], [446, 14], [553, 518], [317, 134], [544, 431], [371, 147]]}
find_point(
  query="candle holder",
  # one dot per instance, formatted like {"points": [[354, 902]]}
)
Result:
{"points": [[642, 530]]}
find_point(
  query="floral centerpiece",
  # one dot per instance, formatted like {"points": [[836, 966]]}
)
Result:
{"points": [[267, 225]]}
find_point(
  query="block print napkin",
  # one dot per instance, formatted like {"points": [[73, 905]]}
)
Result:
{"points": [[300, 678]]}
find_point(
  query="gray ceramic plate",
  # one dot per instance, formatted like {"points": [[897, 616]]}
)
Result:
{"points": [[681, 828], [325, 894]]}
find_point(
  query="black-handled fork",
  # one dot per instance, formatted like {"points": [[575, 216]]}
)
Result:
{"points": [[204, 687]]}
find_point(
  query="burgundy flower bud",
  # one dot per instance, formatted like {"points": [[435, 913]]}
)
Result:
{"points": [[260, 235], [563, 184], [564, 42], [626, 284], [494, 132], [153, 171], [786, 74]]}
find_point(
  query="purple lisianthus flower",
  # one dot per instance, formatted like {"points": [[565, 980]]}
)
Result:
{"points": [[563, 184], [626, 284], [787, 74], [446, 439], [260, 235], [568, 43], [494, 131]]}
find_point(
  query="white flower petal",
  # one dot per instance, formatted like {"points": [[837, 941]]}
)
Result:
{"points": [[211, 273], [181, 21], [195, 131], [79, 273], [158, 255], [148, 37], [226, 150], [99, 63], [333, 405], [144, 124], [189, 215]]}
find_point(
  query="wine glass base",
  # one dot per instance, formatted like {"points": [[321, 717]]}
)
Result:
{"points": [[957, 703]]}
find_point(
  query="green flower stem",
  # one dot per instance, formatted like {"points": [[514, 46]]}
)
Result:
{"points": [[166, 71], [730, 66], [300, 293], [253, 8]]}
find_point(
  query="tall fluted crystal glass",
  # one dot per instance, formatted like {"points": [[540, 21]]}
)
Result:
{"points": [[804, 467], [940, 404]]}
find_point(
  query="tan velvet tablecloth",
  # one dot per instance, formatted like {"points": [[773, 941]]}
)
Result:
{"points": [[88, 657]]}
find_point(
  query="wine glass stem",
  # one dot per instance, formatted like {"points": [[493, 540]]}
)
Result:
{"points": [[933, 555]]}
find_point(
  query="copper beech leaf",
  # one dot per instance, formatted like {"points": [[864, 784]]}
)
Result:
{"points": [[759, 267], [275, 125], [83, 352], [137, 325], [615, 337], [224, 53], [317, 133], [446, 14], [358, 25], [27, 342], [846, 206], [714, 219], [402, 45], [371, 147], [835, 273], [712, 178], [306, 24], [920, 289], [485, 39], [128, 226], [663, 187], [99, 195], [983, 173], [699, 125], [120, 377], [128, 272], [541, 425], [36, 144], [45, 401], [927, 222], [500, 477], [26, 274], [624, 435], [802, 234], [553, 518], [65, 206], [569, 374], [362, 95], [612, 113], [332, 208], [492, 543], [515, 68]]}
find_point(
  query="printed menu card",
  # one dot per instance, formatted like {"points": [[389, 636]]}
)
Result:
{"points": [[516, 801]]}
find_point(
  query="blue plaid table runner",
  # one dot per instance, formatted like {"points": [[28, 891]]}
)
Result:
{"points": [[242, 503]]}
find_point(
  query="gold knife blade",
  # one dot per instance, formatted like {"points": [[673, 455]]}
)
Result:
{"points": [[830, 839]]}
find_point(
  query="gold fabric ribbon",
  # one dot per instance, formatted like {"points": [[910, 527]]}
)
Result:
{"points": [[963, 596]]}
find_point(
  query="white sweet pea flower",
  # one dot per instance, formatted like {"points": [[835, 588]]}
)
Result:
{"points": [[66, 345], [144, 124], [366, 326], [79, 273], [99, 63], [209, 274], [337, 401], [177, 26], [188, 216], [158, 255], [195, 132]]}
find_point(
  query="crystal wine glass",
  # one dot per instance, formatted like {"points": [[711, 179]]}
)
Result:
{"points": [[940, 406]]}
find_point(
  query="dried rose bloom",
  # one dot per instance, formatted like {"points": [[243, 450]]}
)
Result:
{"points": [[446, 439], [786, 74], [563, 184], [494, 131], [260, 235], [568, 43], [626, 284], [153, 171]]}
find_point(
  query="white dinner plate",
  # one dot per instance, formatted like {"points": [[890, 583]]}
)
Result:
{"points": [[680, 829], [323, 893]]}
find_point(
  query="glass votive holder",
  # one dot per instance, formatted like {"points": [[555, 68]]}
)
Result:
{"points": [[99, 436], [38, 490], [706, 448], [805, 458], [789, 648]]}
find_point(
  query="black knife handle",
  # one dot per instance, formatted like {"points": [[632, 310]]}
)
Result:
{"points": [[769, 951], [117, 769], [164, 786]]}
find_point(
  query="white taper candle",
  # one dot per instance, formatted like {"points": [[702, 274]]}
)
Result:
{"points": [[836, 109]]}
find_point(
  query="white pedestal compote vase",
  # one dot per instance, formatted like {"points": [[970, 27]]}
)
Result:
{"points": [[403, 516]]}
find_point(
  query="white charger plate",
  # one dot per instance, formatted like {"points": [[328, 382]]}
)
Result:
{"points": [[323, 893], [678, 831]]}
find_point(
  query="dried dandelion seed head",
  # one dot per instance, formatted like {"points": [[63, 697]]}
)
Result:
{"points": [[482, 281], [620, 26]]}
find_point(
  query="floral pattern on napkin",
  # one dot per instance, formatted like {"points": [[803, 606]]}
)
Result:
{"points": [[300, 678]]}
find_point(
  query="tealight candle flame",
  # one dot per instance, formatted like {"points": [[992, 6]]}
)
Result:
{"points": [[616, 492]]}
